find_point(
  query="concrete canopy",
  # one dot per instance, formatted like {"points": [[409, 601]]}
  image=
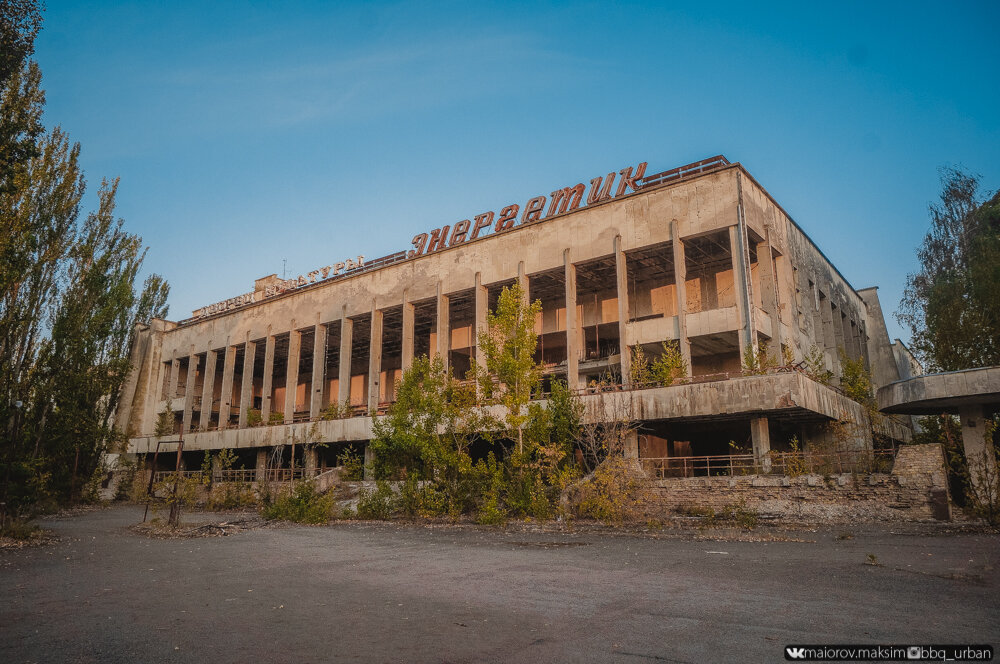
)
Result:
{"points": [[933, 394]]}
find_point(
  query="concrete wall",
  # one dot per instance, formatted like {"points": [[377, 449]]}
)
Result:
{"points": [[916, 489], [763, 294]]}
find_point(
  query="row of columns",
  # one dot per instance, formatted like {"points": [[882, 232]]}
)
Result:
{"points": [[320, 332]]}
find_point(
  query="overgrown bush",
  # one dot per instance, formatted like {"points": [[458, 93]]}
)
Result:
{"points": [[379, 503], [338, 411], [254, 417], [856, 380], [758, 362], [353, 464], [303, 504], [231, 495], [815, 366], [610, 494]]}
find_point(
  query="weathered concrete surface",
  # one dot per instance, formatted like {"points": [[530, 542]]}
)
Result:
{"points": [[787, 394], [933, 394], [916, 489], [795, 298], [392, 593]]}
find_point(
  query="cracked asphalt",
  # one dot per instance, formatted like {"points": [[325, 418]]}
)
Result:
{"points": [[372, 592]]}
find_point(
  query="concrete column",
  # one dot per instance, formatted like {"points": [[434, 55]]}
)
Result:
{"points": [[828, 338], [978, 455], [848, 335], [443, 326], [572, 333], [525, 281], [632, 445], [246, 387], [769, 293], [741, 277], [369, 460], [482, 321], [408, 331], [261, 464], [838, 331], [318, 371], [175, 371], [374, 359], [265, 393], [309, 457], [208, 390], [621, 279], [292, 373], [189, 392], [761, 436], [680, 288], [226, 396], [346, 342]]}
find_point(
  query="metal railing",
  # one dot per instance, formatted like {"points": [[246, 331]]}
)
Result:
{"points": [[241, 474], [774, 463], [682, 172]]}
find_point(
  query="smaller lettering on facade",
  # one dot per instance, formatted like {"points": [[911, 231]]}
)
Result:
{"points": [[282, 286]]}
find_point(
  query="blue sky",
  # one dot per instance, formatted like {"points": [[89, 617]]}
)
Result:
{"points": [[247, 134]]}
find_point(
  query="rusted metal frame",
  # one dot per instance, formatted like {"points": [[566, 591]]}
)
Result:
{"points": [[152, 474], [682, 171]]}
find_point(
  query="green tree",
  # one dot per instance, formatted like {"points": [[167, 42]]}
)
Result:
{"points": [[508, 347], [68, 305], [952, 305], [21, 99]]}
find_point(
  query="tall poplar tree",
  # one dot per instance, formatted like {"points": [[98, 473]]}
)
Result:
{"points": [[68, 305]]}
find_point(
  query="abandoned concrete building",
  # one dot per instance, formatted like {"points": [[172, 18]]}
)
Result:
{"points": [[699, 255]]}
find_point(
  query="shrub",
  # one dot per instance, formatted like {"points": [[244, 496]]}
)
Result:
{"points": [[379, 503], [303, 504], [610, 494], [353, 464], [757, 362], [254, 418], [815, 366], [670, 366], [231, 495]]}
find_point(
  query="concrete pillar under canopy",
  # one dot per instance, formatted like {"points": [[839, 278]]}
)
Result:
{"points": [[978, 451], [261, 464], [310, 458], [761, 436]]}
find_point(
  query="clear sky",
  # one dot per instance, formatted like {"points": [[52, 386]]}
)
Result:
{"points": [[246, 134]]}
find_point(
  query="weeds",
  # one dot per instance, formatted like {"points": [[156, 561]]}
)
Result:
{"points": [[303, 504]]}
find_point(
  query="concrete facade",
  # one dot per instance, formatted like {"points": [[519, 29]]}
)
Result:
{"points": [[701, 257]]}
